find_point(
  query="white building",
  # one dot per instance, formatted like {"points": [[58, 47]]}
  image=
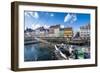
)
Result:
{"points": [[29, 33], [41, 32], [54, 31], [85, 32]]}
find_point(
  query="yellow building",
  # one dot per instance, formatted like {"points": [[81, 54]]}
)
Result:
{"points": [[68, 32]]}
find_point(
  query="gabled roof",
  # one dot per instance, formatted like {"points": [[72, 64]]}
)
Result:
{"points": [[68, 28], [55, 26], [29, 30], [85, 27], [42, 29]]}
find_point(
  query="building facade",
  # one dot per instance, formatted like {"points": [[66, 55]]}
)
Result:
{"points": [[68, 33], [61, 34], [85, 32], [54, 31], [29, 33], [41, 32]]}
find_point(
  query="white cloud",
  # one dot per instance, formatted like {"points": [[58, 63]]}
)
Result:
{"points": [[46, 26], [36, 15], [51, 14], [70, 18], [32, 26], [35, 26], [74, 18], [67, 17], [62, 26], [25, 27], [32, 14], [26, 14]]}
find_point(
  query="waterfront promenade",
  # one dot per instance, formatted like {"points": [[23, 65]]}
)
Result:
{"points": [[54, 40]]}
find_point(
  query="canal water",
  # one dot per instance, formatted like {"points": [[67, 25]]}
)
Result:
{"points": [[37, 52], [41, 52]]}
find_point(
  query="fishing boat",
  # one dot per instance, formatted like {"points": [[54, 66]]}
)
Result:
{"points": [[62, 51]]}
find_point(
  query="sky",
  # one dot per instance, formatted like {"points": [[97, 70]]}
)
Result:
{"points": [[36, 19]]}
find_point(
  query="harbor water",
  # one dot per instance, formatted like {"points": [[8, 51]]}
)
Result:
{"points": [[42, 52]]}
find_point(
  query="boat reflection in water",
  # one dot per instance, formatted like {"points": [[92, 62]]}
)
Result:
{"points": [[44, 52]]}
